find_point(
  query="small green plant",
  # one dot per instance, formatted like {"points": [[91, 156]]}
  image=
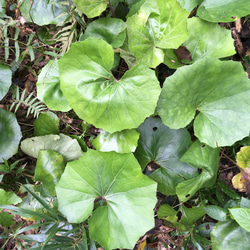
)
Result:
{"points": [[34, 105]]}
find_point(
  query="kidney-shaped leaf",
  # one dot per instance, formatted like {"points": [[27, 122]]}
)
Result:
{"points": [[208, 39], [97, 97], [218, 90], [164, 28], [62, 144], [10, 135], [111, 30], [48, 88], [223, 10], [164, 147], [116, 181], [5, 80], [91, 8], [122, 142]]}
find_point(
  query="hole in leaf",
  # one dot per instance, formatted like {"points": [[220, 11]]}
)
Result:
{"points": [[188, 195], [203, 146], [155, 128], [179, 215]]}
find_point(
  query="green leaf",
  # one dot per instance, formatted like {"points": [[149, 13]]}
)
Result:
{"points": [[2, 9], [42, 13], [164, 28], [97, 97], [32, 205], [49, 168], [62, 144], [230, 236], [48, 88], [242, 216], [47, 123], [121, 142], [204, 158], [187, 216], [243, 157], [165, 147], [91, 8], [125, 196], [7, 198], [6, 219], [208, 39], [5, 80], [10, 135], [216, 212], [111, 30], [223, 10], [189, 4], [208, 88], [244, 202]]}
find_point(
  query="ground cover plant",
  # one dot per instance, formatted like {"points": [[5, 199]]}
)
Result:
{"points": [[118, 122]]}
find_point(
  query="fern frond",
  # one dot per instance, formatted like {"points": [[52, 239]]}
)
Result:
{"points": [[34, 105]]}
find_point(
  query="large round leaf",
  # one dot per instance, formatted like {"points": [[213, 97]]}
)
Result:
{"points": [[165, 27], [116, 181], [165, 147], [97, 97], [223, 10], [42, 13], [218, 90], [208, 39], [5, 80], [48, 88], [111, 30], [10, 135], [91, 8]]}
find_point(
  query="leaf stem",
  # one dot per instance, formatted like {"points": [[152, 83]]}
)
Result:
{"points": [[111, 9]]}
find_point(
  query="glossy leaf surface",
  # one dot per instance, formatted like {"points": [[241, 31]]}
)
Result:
{"points": [[164, 147], [42, 12], [229, 235], [48, 88], [47, 123], [125, 196], [62, 144], [157, 27], [122, 142], [10, 135], [5, 79], [223, 107], [111, 30], [91, 8], [206, 159], [97, 97], [223, 10], [49, 168], [242, 216], [216, 212], [189, 4], [208, 39]]}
